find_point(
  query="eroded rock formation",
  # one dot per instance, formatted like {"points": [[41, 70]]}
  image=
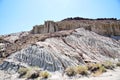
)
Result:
{"points": [[48, 27], [66, 48], [107, 27], [55, 46]]}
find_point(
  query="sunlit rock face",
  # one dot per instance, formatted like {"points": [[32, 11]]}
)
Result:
{"points": [[102, 27], [48, 27], [58, 52]]}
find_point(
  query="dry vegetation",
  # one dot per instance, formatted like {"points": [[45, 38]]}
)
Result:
{"points": [[70, 71], [44, 74], [32, 72], [108, 65], [83, 70], [118, 64], [94, 69]]}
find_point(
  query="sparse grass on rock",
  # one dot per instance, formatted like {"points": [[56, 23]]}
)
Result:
{"points": [[44, 74], [96, 69], [118, 64], [70, 71], [22, 71], [93, 67], [99, 71], [82, 70], [32, 72], [102, 69], [108, 65]]}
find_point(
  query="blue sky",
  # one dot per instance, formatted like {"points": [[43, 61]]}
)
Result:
{"points": [[22, 15]]}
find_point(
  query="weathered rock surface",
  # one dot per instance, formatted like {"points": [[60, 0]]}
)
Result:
{"points": [[7, 43], [58, 52], [48, 27], [116, 37], [107, 27], [14, 36], [3, 45], [102, 27]]}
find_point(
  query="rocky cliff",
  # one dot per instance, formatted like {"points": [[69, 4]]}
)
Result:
{"points": [[107, 27], [48, 27]]}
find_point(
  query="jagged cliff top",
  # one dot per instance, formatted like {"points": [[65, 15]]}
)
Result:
{"points": [[102, 26]]}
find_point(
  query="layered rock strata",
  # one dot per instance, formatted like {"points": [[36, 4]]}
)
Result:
{"points": [[102, 27], [48, 27], [56, 53]]}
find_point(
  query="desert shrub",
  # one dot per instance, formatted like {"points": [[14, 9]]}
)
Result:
{"points": [[96, 69], [102, 69], [99, 71], [32, 72], [70, 71], [108, 65], [93, 67], [81, 70], [22, 71], [44, 74], [118, 64]]}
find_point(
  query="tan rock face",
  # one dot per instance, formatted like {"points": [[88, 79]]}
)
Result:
{"points": [[103, 27], [48, 27], [111, 28]]}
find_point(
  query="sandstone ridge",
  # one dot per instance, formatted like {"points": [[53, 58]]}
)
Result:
{"points": [[102, 26]]}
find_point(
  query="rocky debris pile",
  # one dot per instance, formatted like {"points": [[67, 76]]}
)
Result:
{"points": [[58, 51]]}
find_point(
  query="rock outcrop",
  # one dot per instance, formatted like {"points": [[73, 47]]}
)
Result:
{"points": [[48, 27], [58, 51], [107, 27], [7, 43]]}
